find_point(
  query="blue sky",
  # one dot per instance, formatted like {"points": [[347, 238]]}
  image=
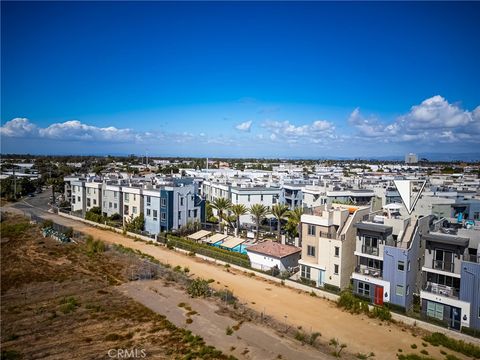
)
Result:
{"points": [[240, 79]]}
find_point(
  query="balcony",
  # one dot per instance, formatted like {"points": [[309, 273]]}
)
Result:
{"points": [[443, 265], [442, 290], [370, 250], [369, 271]]}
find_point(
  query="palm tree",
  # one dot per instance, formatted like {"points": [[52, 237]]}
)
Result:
{"points": [[280, 211], [258, 212], [221, 205], [238, 210], [294, 218]]}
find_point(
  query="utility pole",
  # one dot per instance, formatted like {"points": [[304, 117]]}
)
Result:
{"points": [[14, 183]]}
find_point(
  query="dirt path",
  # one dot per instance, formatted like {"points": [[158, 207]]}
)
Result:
{"points": [[250, 341], [360, 333]]}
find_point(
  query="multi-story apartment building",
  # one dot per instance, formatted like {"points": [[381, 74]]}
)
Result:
{"points": [[77, 199], [246, 195], [292, 195], [132, 202], [93, 195], [172, 205], [388, 257], [451, 280], [112, 199], [328, 243]]}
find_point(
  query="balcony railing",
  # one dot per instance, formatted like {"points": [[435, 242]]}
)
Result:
{"points": [[441, 289], [370, 250], [369, 271], [443, 265]]}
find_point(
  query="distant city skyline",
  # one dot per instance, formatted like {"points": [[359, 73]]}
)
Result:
{"points": [[312, 79]]}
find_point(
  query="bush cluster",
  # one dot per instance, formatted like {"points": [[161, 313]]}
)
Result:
{"points": [[198, 287], [355, 305], [460, 346]]}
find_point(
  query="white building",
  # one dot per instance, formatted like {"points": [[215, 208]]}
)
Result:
{"points": [[269, 254]]}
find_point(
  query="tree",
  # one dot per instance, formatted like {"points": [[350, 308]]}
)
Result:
{"points": [[238, 210], [280, 211], [221, 205], [258, 212], [294, 218], [136, 224]]}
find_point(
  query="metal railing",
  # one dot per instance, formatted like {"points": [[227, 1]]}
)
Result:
{"points": [[369, 271], [441, 289], [443, 265], [370, 250]]}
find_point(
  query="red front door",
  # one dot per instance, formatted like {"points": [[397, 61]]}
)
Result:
{"points": [[378, 295]]}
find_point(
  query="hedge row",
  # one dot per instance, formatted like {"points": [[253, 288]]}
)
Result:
{"points": [[209, 250]]}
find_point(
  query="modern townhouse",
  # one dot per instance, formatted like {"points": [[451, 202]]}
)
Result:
{"points": [[132, 201], [451, 279], [93, 195], [246, 195], [112, 199], [388, 258], [328, 244], [292, 195], [78, 200], [172, 205]]}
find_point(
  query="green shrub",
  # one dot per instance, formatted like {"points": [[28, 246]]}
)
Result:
{"points": [[451, 357], [413, 346], [94, 246], [198, 287], [382, 313], [13, 230], [69, 304], [471, 332], [229, 330], [47, 224], [460, 346], [300, 336], [313, 337], [68, 233]]}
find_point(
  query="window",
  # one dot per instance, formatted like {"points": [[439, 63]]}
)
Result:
{"points": [[181, 201], [261, 197], [337, 251], [248, 198], [88, 201], [179, 215], [401, 265], [134, 210], [155, 214], [476, 216], [310, 250], [400, 291], [94, 201], [78, 198], [134, 197], [164, 202], [163, 215], [115, 205], [364, 289], [335, 269], [311, 230], [435, 310], [110, 205], [125, 209], [443, 260], [103, 192], [148, 200], [126, 197], [115, 194], [305, 272], [148, 212], [236, 197]]}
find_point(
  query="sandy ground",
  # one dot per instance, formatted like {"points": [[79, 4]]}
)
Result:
{"points": [[360, 333], [251, 341]]}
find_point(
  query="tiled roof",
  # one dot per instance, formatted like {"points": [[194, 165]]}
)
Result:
{"points": [[274, 249]]}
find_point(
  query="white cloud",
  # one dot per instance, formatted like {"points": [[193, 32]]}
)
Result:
{"points": [[434, 120], [315, 132], [19, 127], [245, 126]]}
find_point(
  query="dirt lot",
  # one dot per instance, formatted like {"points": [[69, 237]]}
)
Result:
{"points": [[60, 302], [360, 333]]}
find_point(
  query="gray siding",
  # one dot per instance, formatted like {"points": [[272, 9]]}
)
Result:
{"points": [[470, 290]]}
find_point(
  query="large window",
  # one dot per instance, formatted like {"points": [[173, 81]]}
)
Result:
{"points": [[370, 245], [435, 310], [337, 251], [148, 200], [401, 265], [155, 214], [443, 260], [363, 289], [400, 290], [311, 230], [335, 269], [126, 197], [310, 250], [305, 272], [164, 202]]}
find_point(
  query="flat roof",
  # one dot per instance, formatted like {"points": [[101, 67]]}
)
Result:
{"points": [[274, 249], [384, 229], [215, 238], [447, 239], [232, 242], [199, 234]]}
